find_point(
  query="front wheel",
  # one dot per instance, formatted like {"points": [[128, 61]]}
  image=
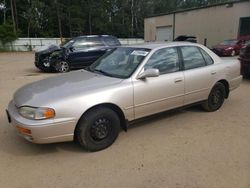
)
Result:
{"points": [[98, 129], [62, 66], [216, 98]]}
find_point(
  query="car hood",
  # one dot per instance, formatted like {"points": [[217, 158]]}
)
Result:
{"points": [[48, 49], [46, 91]]}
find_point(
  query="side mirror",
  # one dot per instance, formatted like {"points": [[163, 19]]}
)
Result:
{"points": [[71, 48], [149, 73]]}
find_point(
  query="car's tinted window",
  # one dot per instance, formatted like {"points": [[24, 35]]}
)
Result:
{"points": [[111, 41], [87, 42], [94, 41], [192, 57], [166, 60], [207, 57], [80, 43]]}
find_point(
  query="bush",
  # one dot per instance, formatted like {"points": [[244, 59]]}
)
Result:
{"points": [[7, 34]]}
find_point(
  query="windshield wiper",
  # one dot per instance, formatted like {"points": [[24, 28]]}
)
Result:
{"points": [[103, 72]]}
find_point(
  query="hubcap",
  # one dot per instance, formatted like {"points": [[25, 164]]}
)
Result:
{"points": [[100, 129], [216, 98], [63, 66]]}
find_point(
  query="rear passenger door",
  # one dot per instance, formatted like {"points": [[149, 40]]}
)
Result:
{"points": [[199, 73]]}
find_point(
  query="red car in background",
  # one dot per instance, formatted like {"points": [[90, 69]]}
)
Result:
{"points": [[229, 47], [245, 59]]}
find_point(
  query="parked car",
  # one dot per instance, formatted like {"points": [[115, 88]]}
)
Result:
{"points": [[125, 84], [186, 38], [245, 59], [77, 53], [228, 47]]}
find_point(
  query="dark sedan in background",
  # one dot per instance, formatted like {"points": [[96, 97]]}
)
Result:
{"points": [[79, 52], [245, 59]]}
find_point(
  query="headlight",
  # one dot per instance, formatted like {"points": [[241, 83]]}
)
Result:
{"points": [[36, 113]]}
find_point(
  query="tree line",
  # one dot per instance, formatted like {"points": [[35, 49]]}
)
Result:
{"points": [[68, 18]]}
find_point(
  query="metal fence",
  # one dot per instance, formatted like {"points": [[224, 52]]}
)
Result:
{"points": [[32, 44]]}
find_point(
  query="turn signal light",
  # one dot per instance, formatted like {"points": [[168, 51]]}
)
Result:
{"points": [[23, 130]]}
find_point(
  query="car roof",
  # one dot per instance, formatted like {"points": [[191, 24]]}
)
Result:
{"points": [[90, 36], [155, 45]]}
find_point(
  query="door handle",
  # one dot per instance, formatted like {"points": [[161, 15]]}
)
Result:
{"points": [[178, 80], [213, 72]]}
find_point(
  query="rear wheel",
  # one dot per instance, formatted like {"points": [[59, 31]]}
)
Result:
{"points": [[216, 98], [98, 129]]}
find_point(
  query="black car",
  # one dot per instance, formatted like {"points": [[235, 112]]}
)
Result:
{"points": [[245, 59], [186, 38], [79, 52]]}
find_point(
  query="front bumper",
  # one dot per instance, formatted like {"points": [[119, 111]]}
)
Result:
{"points": [[42, 131]]}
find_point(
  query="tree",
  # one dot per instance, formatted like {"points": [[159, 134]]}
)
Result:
{"points": [[7, 34], [68, 18]]}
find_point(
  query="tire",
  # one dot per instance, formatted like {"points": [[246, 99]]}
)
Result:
{"points": [[45, 69], [62, 66], [216, 98], [97, 129], [233, 53]]}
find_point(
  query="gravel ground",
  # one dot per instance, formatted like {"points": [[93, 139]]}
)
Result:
{"points": [[182, 149]]}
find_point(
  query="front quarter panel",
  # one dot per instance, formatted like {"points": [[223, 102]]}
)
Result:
{"points": [[74, 107]]}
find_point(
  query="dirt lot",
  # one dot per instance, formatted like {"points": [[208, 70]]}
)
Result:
{"points": [[183, 149]]}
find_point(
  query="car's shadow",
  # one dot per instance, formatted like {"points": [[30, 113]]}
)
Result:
{"points": [[34, 71], [164, 116]]}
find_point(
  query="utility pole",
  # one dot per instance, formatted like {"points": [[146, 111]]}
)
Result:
{"points": [[132, 19], [59, 20], [13, 16], [90, 17], [4, 12]]}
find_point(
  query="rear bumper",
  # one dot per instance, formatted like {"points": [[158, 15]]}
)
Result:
{"points": [[42, 131], [234, 83]]}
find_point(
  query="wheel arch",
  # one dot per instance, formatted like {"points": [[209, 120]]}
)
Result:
{"points": [[226, 84], [114, 107]]}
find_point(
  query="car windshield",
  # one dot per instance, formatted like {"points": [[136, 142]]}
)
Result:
{"points": [[120, 62], [229, 42], [67, 44]]}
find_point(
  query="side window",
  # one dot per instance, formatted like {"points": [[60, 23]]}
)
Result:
{"points": [[207, 57], [111, 41], [192, 57], [166, 60], [80, 44], [94, 41]]}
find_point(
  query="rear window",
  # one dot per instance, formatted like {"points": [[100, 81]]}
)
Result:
{"points": [[207, 57], [192, 57], [111, 41]]}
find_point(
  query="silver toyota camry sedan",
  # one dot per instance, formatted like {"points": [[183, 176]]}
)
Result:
{"points": [[125, 84]]}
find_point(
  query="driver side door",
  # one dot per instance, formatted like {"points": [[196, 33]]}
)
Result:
{"points": [[157, 94]]}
